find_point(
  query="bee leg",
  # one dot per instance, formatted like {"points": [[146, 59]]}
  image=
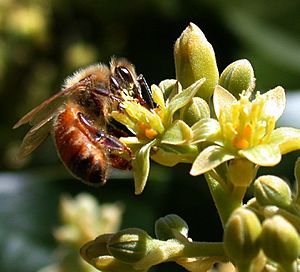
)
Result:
{"points": [[108, 93], [112, 143], [146, 92], [119, 154], [142, 91]]}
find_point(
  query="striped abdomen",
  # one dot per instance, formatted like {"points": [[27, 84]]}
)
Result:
{"points": [[82, 154]]}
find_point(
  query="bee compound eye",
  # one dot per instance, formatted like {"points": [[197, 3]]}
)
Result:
{"points": [[124, 73]]}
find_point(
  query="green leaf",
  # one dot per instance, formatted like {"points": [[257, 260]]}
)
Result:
{"points": [[182, 98], [275, 102], [210, 158], [264, 155], [287, 138], [205, 130], [222, 99], [141, 167], [179, 133]]}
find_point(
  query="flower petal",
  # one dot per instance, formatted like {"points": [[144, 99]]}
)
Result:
{"points": [[210, 158], [222, 99], [179, 133], [275, 102], [287, 138], [182, 98], [264, 155], [205, 130], [169, 87], [141, 167], [170, 155], [125, 120]]}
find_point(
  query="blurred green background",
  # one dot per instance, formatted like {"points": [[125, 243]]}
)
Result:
{"points": [[42, 42]]}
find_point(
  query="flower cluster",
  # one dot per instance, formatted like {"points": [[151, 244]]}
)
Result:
{"points": [[162, 132], [226, 131]]}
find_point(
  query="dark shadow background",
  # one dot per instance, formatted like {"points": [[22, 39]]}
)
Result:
{"points": [[42, 42]]}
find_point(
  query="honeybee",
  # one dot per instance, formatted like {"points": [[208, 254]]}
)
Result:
{"points": [[79, 119]]}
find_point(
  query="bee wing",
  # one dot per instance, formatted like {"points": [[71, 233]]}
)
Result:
{"points": [[35, 136], [41, 119], [48, 107]]}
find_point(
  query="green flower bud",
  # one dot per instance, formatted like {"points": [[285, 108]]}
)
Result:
{"points": [[195, 59], [241, 172], [165, 227], [241, 236], [297, 181], [271, 190], [129, 245], [96, 248], [195, 110], [238, 77], [280, 240]]}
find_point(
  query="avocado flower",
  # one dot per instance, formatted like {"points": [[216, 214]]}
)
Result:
{"points": [[161, 133], [244, 130]]}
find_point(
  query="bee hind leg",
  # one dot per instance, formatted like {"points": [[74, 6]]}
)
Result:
{"points": [[119, 154]]}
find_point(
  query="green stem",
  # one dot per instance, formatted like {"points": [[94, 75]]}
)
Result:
{"points": [[207, 249], [238, 192], [226, 202]]}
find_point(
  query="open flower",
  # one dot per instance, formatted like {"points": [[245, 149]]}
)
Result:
{"points": [[160, 132], [244, 129]]}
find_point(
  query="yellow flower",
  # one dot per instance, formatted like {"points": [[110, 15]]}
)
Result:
{"points": [[244, 129], [160, 130]]}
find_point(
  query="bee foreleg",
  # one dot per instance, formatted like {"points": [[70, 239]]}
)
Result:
{"points": [[108, 93], [146, 91]]}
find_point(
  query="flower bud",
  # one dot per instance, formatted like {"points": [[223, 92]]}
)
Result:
{"points": [[280, 240], [241, 235], [241, 172], [195, 59], [297, 181], [271, 190], [129, 245], [238, 77], [197, 109], [165, 227], [95, 248]]}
